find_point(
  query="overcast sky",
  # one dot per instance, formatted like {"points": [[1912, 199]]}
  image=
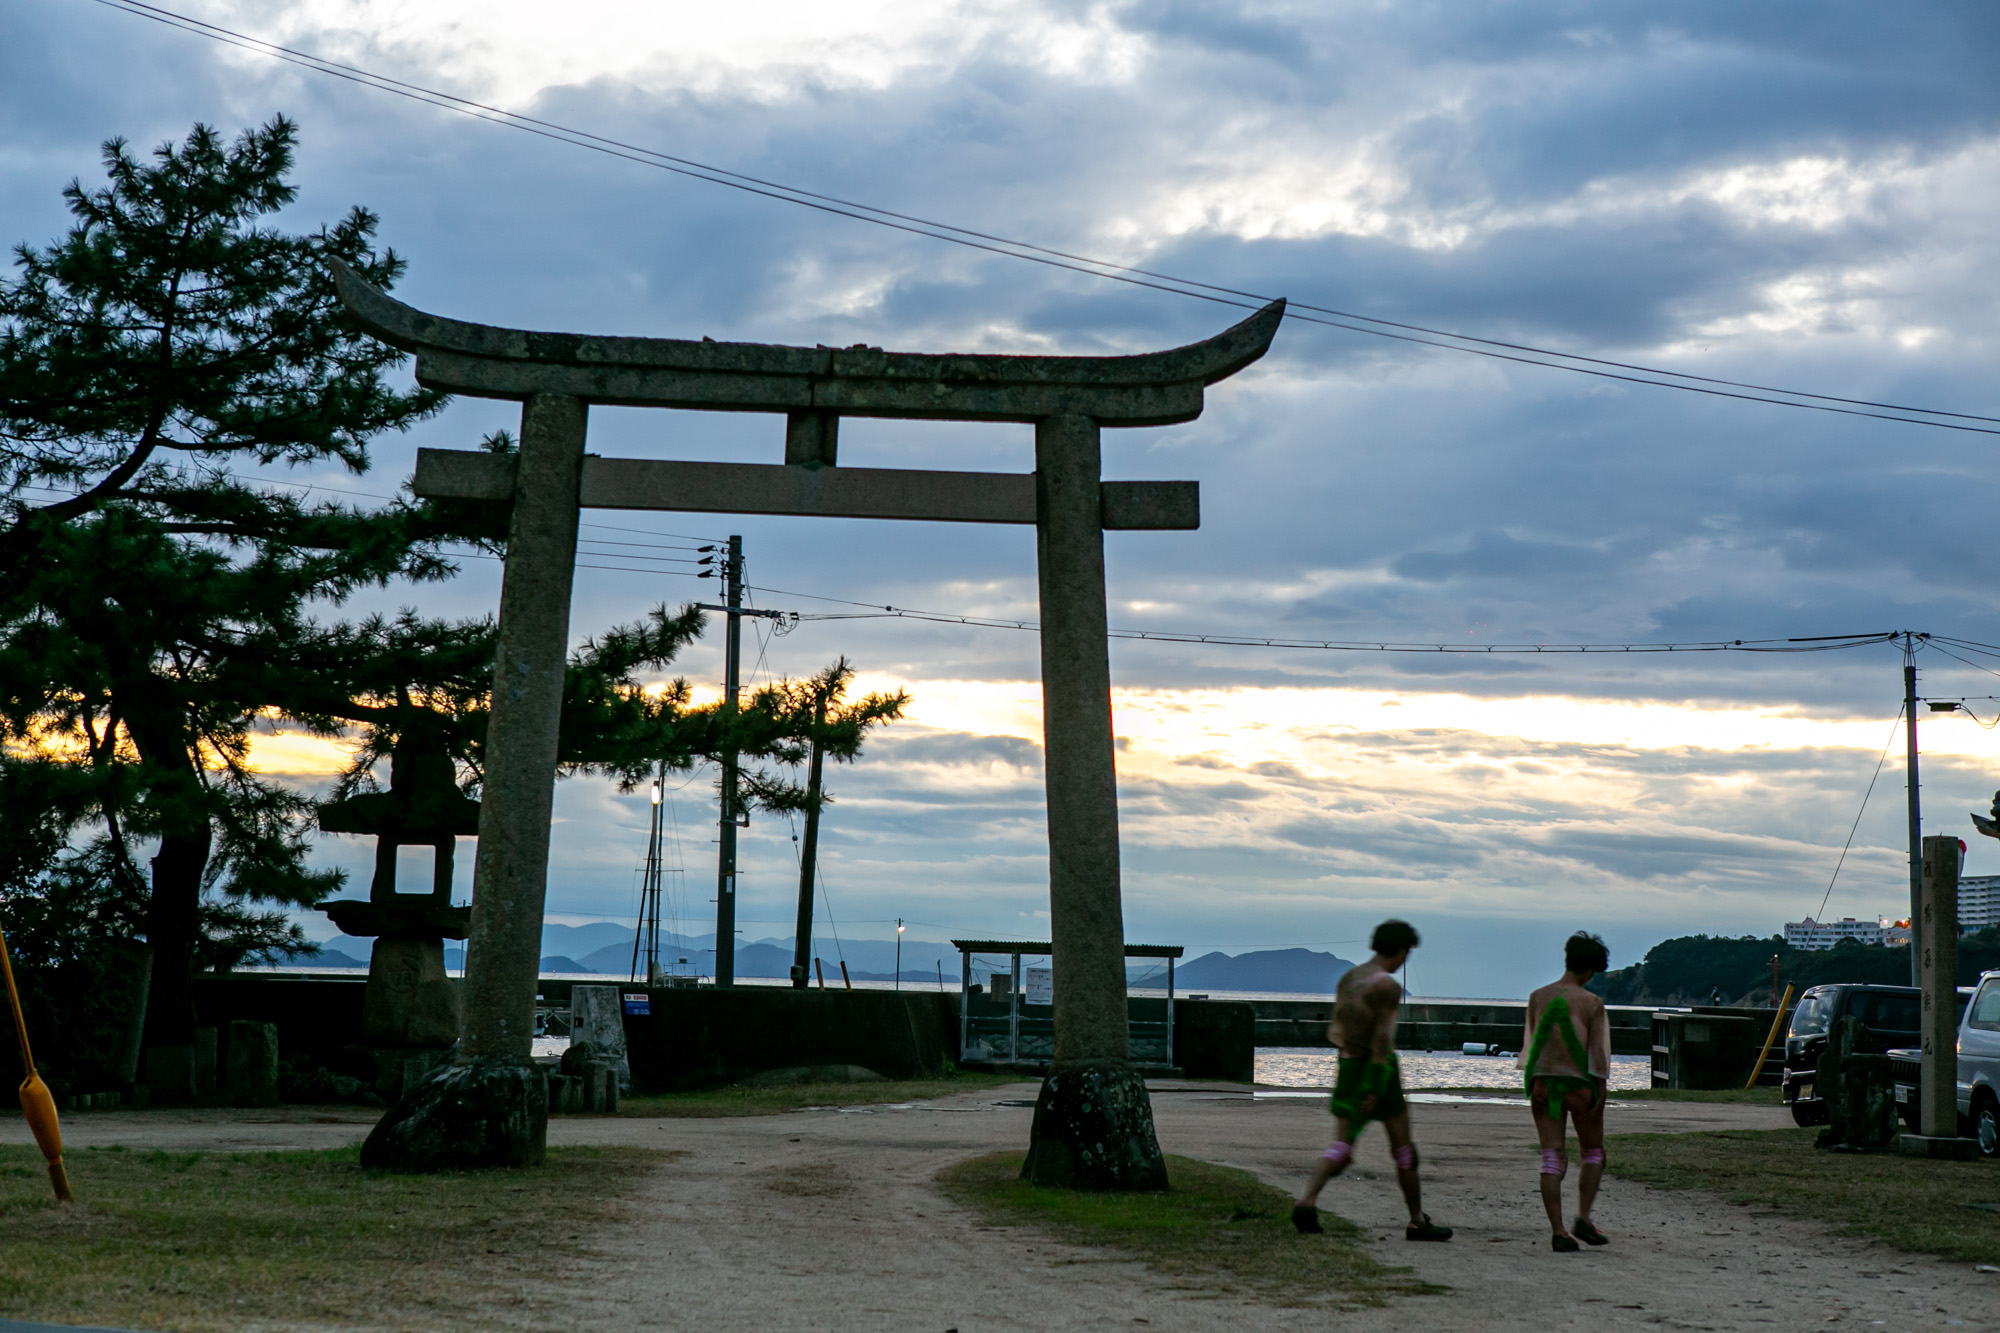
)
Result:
{"points": [[1800, 195]]}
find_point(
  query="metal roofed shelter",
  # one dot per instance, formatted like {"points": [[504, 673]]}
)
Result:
{"points": [[1093, 1121], [993, 1033]]}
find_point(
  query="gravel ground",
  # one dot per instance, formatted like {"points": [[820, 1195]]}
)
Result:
{"points": [[829, 1220]]}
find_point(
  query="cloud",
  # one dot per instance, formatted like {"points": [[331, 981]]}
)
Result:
{"points": [[1780, 194]]}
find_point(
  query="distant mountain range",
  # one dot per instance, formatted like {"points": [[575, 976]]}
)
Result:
{"points": [[1295, 970], [605, 949]]}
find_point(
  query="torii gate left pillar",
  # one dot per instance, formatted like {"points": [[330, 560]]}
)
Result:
{"points": [[1093, 1124]]}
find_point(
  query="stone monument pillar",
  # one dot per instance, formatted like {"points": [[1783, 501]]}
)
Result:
{"points": [[597, 1019], [1937, 963]]}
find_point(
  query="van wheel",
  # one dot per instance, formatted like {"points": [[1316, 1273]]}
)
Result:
{"points": [[1808, 1113], [1986, 1125]]}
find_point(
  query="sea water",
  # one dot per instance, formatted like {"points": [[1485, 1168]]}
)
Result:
{"points": [[1313, 1067]]}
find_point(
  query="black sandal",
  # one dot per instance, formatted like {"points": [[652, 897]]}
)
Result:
{"points": [[1426, 1230], [1562, 1244], [1305, 1220], [1588, 1234]]}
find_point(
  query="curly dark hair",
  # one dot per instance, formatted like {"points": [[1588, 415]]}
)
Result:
{"points": [[1585, 952], [1394, 937]]}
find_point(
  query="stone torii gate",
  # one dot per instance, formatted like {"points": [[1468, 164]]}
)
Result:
{"points": [[1093, 1120]]}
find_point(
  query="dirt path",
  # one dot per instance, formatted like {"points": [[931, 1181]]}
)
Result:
{"points": [[829, 1220]]}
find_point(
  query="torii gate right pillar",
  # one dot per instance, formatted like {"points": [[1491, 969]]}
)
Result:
{"points": [[1093, 1120]]}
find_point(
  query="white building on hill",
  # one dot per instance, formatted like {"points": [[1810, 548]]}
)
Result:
{"points": [[1811, 934], [1978, 903]]}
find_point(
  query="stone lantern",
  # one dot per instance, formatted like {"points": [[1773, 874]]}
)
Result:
{"points": [[410, 1005]]}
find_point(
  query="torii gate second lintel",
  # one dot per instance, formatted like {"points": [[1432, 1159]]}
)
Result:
{"points": [[1093, 1121]]}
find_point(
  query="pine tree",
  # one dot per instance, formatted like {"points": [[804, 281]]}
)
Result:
{"points": [[437, 677], [153, 604], [783, 721], [155, 607]]}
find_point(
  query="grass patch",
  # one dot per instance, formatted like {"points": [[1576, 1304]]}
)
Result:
{"points": [[1219, 1231], [219, 1240], [741, 1100], [1912, 1203]]}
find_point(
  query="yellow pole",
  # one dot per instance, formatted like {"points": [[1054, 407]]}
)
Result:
{"points": [[36, 1103], [1776, 1023]]}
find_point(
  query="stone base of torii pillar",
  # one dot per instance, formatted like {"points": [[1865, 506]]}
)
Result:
{"points": [[1093, 1126]]}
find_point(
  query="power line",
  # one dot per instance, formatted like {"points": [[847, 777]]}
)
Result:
{"points": [[1966, 661], [1831, 643], [1809, 645], [1523, 353], [1828, 896], [1970, 645]]}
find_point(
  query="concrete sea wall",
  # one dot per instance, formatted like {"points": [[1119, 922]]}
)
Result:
{"points": [[1441, 1025]]}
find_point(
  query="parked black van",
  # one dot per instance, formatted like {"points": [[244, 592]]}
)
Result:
{"points": [[1892, 1015]]}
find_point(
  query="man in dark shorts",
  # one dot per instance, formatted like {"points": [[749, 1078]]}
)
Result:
{"points": [[1369, 1085]]}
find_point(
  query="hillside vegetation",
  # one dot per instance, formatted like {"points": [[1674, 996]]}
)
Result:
{"points": [[1689, 969]]}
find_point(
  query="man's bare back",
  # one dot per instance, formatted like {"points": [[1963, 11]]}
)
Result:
{"points": [[1365, 1000], [1584, 1006]]}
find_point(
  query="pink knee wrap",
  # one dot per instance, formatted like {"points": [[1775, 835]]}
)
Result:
{"points": [[1554, 1163], [1339, 1153], [1406, 1156], [1593, 1157]]}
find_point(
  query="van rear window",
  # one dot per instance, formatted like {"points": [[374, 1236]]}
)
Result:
{"points": [[1986, 1007], [1888, 1013]]}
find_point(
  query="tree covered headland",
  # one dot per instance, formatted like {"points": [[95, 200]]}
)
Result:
{"points": [[161, 602], [1689, 969]]}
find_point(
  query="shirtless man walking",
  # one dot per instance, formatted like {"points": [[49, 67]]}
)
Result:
{"points": [[1566, 1065], [1370, 1086]]}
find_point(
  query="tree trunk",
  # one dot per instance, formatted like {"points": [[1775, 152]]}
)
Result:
{"points": [[173, 909], [172, 927]]}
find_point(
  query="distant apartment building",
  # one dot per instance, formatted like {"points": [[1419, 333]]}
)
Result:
{"points": [[1978, 903], [1811, 934]]}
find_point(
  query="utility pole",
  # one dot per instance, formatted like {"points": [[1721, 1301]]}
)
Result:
{"points": [[899, 953], [1916, 803], [725, 861], [733, 816], [808, 853]]}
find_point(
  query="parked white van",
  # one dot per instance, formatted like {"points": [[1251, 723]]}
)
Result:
{"points": [[1979, 1065]]}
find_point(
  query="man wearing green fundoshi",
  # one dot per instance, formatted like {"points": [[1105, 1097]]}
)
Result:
{"points": [[1566, 1064], [1370, 1085]]}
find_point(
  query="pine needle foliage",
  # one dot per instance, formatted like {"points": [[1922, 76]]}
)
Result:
{"points": [[154, 605]]}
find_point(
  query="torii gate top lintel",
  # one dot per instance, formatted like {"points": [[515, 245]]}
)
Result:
{"points": [[486, 361]]}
